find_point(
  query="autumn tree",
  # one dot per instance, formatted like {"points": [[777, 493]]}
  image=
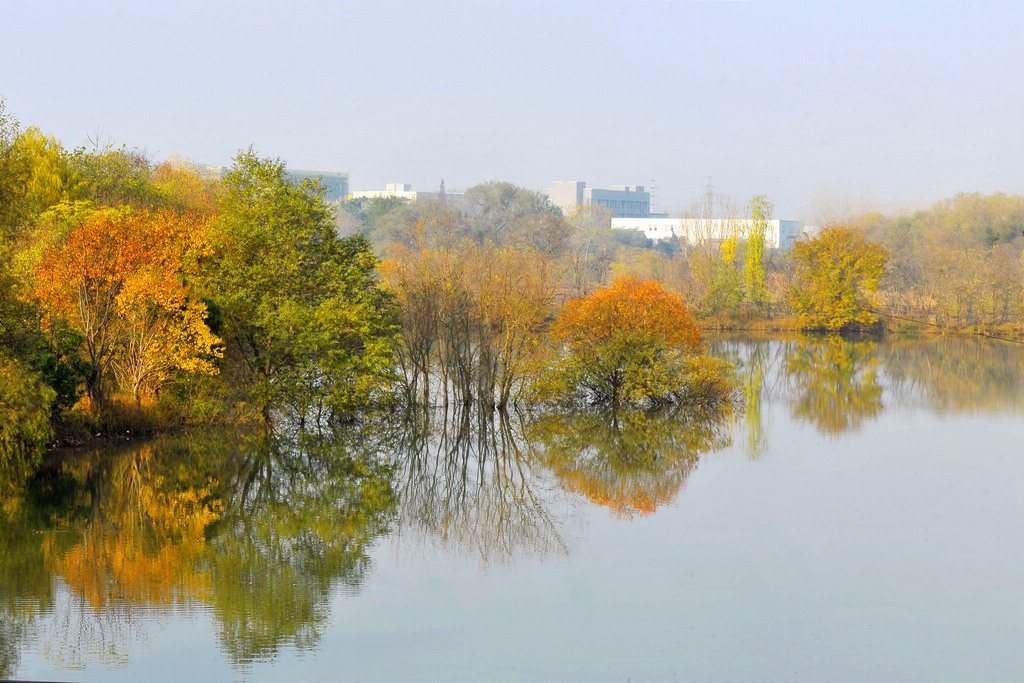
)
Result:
{"points": [[183, 188], [588, 249], [835, 273], [633, 343], [119, 278], [475, 293], [472, 318]]}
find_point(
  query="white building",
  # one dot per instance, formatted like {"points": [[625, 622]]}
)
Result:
{"points": [[405, 191], [780, 235], [626, 201]]}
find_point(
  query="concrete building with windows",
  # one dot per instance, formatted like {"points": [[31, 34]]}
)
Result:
{"points": [[622, 201], [781, 234], [335, 183]]}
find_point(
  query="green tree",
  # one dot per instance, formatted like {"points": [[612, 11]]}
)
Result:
{"points": [[754, 267], [13, 178], [25, 405], [51, 177], [117, 176], [501, 212], [834, 275], [303, 317]]}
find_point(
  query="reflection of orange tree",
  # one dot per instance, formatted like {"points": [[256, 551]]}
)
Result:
{"points": [[629, 461], [143, 543], [260, 529], [836, 383]]}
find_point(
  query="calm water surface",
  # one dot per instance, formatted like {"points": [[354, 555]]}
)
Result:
{"points": [[859, 519]]}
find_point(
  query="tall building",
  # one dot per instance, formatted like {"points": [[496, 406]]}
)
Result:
{"points": [[334, 182], [622, 201]]}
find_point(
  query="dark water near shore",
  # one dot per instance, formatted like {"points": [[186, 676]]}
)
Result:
{"points": [[858, 519]]}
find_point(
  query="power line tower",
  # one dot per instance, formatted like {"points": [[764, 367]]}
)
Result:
{"points": [[709, 199]]}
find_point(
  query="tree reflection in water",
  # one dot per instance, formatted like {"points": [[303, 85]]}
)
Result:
{"points": [[302, 513], [630, 461], [259, 529], [468, 482], [955, 374], [835, 383]]}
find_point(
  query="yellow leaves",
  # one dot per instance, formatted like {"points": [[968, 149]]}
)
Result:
{"points": [[120, 276], [835, 273]]}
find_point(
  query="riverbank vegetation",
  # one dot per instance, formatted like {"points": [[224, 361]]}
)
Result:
{"points": [[136, 296]]}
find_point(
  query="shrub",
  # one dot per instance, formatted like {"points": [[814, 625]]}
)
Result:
{"points": [[632, 343]]}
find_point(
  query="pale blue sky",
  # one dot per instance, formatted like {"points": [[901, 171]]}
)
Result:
{"points": [[888, 103]]}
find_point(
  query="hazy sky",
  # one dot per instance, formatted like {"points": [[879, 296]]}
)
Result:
{"points": [[886, 103]]}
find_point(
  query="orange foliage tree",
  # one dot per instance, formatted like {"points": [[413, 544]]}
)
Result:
{"points": [[120, 278], [633, 343]]}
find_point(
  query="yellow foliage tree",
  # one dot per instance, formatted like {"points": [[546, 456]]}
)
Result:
{"points": [[835, 273]]}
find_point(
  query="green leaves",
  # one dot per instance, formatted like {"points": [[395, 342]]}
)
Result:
{"points": [[303, 316]]}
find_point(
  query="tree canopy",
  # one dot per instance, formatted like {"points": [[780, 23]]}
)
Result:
{"points": [[302, 313], [835, 273], [632, 342]]}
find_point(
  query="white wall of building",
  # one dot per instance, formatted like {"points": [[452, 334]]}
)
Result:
{"points": [[781, 233], [405, 191]]}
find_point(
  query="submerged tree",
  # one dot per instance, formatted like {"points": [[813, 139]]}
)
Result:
{"points": [[635, 343]]}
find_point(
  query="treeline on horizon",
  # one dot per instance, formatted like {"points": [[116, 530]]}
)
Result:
{"points": [[136, 295]]}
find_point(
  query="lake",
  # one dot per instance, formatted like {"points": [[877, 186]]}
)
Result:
{"points": [[857, 518]]}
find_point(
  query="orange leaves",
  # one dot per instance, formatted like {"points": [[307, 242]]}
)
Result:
{"points": [[119, 276], [128, 253], [629, 305]]}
